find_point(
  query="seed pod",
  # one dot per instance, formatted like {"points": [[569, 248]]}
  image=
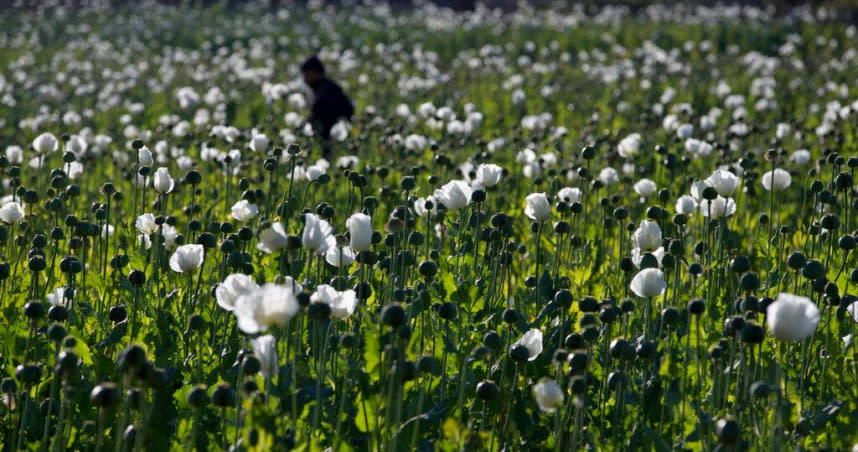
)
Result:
{"points": [[56, 332], [728, 431], [223, 396], [105, 395], [34, 310], [487, 390], [519, 353], [132, 358]]}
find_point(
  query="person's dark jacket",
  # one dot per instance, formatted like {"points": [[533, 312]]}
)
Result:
{"points": [[330, 105]]}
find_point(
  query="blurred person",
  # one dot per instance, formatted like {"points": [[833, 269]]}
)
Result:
{"points": [[329, 105]]}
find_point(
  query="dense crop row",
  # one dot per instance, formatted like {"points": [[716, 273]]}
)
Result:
{"points": [[542, 231]]}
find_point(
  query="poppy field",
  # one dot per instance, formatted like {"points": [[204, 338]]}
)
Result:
{"points": [[542, 230]]}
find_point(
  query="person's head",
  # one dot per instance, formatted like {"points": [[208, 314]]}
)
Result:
{"points": [[313, 70]]}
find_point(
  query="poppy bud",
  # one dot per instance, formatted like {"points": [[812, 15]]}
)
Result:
{"points": [[574, 341], [393, 315], [740, 264], [117, 313], [751, 333], [670, 317], [588, 304], [646, 350], [591, 334], [695, 269], [563, 299], [34, 310], [223, 396], [796, 260], [487, 390], [132, 358], [615, 379], [728, 431], [609, 314], [510, 316], [428, 269], [56, 332], [8, 386], [578, 385], [519, 353], [193, 177], [749, 282], [303, 299], [578, 362], [105, 396], [587, 320], [844, 181], [761, 389], [37, 264], [67, 360], [198, 397], [429, 365], [363, 290], [492, 340], [621, 348], [813, 269], [830, 222], [250, 365], [137, 278], [648, 260], [448, 311], [319, 311]]}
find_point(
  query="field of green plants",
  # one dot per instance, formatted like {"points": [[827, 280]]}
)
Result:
{"points": [[547, 230]]}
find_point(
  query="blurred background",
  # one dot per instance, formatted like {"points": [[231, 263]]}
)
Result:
{"points": [[839, 10]]}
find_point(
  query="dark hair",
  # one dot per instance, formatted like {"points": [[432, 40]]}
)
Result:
{"points": [[313, 64]]}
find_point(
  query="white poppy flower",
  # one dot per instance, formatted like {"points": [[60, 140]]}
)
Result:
{"points": [[265, 350], [360, 231], [270, 305], [232, 287], [608, 176], [647, 237], [569, 195], [318, 235], [342, 304], [455, 194], [648, 282], [340, 257], [162, 182], [487, 175], [548, 395], [724, 182], [629, 146], [776, 180], [537, 207], [532, 341], [719, 207], [273, 239], [45, 143], [244, 210], [187, 258], [792, 317], [11, 213], [685, 204], [645, 188]]}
